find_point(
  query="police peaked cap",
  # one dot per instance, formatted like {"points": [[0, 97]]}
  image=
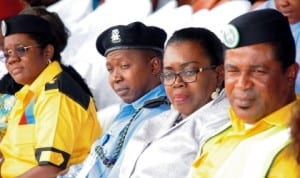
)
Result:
{"points": [[260, 26], [25, 24], [135, 35]]}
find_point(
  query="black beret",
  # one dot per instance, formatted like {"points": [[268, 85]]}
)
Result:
{"points": [[260, 26], [135, 35], [25, 24]]}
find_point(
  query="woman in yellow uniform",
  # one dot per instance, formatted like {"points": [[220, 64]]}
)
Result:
{"points": [[53, 122]]}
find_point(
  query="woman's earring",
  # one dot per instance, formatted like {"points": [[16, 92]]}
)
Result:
{"points": [[215, 94]]}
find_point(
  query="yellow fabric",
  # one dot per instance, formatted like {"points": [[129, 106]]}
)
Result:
{"points": [[61, 126], [52, 156], [217, 150]]}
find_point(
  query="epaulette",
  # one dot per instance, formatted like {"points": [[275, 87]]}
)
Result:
{"points": [[67, 85]]}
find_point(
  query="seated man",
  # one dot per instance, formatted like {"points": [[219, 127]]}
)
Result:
{"points": [[134, 61], [260, 74]]}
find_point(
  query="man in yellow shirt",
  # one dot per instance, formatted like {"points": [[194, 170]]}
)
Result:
{"points": [[260, 74]]}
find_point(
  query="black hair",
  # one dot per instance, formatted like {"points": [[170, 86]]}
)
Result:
{"points": [[44, 40], [285, 52], [206, 39], [58, 39], [60, 33], [8, 85]]}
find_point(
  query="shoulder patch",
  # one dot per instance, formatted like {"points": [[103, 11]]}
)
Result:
{"points": [[67, 85]]}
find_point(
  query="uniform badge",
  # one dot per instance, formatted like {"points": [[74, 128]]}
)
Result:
{"points": [[115, 36], [230, 36], [3, 28]]}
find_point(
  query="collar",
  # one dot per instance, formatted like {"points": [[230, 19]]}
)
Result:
{"points": [[156, 92], [279, 118], [38, 84], [296, 31]]}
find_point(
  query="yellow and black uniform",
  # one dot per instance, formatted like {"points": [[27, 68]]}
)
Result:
{"points": [[262, 150], [53, 122]]}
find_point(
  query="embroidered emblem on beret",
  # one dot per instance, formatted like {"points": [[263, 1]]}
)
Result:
{"points": [[115, 36], [135, 35], [231, 36], [3, 28]]}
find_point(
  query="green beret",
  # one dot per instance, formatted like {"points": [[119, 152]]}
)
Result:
{"points": [[260, 26], [135, 35], [25, 24]]}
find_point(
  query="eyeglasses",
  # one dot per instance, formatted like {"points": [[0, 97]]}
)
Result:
{"points": [[19, 52], [187, 76]]}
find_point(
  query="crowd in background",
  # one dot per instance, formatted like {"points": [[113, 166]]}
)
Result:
{"points": [[87, 19], [86, 23], [87, 50]]}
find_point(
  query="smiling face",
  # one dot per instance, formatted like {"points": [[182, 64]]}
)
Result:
{"points": [[183, 56], [132, 73], [290, 9], [255, 83], [25, 69]]}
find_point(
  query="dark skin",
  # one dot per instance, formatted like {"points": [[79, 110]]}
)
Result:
{"points": [[290, 9], [24, 70], [45, 171], [188, 97], [132, 72], [257, 85]]}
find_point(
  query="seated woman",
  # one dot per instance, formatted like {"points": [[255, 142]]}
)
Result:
{"points": [[54, 122], [165, 146]]}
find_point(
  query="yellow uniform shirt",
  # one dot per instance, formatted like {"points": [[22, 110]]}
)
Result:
{"points": [[53, 122], [220, 148]]}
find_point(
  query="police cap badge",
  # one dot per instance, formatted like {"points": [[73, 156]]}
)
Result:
{"points": [[135, 35]]}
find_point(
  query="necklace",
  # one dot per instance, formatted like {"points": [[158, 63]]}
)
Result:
{"points": [[99, 150], [109, 162]]}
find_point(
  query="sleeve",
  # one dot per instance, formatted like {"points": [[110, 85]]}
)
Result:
{"points": [[58, 124]]}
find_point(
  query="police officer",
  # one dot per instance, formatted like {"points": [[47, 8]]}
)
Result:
{"points": [[133, 60]]}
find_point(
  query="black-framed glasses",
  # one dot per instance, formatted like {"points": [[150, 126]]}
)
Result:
{"points": [[19, 52], [188, 76]]}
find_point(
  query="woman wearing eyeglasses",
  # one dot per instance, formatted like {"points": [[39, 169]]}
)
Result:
{"points": [[165, 146], [54, 122]]}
